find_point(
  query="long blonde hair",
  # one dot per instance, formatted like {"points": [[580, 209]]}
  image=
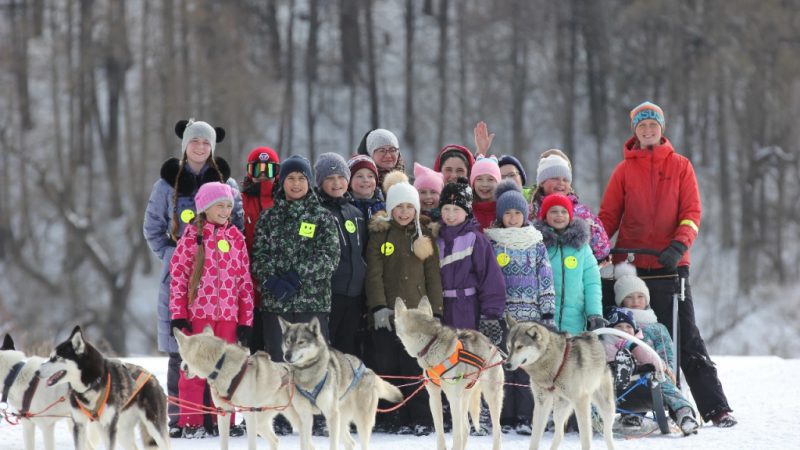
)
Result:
{"points": [[175, 225], [199, 259]]}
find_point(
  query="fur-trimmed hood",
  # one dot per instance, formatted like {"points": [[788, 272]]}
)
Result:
{"points": [[189, 182], [576, 235], [514, 238]]}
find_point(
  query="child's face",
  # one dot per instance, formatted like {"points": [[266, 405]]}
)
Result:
{"points": [[513, 218], [404, 213], [453, 215], [219, 212], [334, 185], [625, 327], [635, 300], [556, 185], [557, 217], [428, 198], [198, 150], [363, 183], [295, 186], [452, 168], [484, 186]]}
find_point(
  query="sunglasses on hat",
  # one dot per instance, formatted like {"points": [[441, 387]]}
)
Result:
{"points": [[256, 169]]}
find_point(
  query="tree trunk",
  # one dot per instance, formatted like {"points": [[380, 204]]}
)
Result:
{"points": [[19, 39], [274, 37], [566, 57], [285, 139], [441, 65], [410, 131], [726, 212], [350, 41], [372, 67], [519, 72], [311, 76]]}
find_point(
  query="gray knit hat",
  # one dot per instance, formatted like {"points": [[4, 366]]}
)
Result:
{"points": [[330, 164], [509, 197], [198, 129], [553, 166], [379, 138]]}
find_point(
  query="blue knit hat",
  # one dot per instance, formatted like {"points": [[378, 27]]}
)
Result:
{"points": [[509, 197], [617, 316], [295, 163], [508, 159]]}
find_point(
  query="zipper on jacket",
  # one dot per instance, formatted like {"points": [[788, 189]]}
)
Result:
{"points": [[219, 281], [563, 284]]}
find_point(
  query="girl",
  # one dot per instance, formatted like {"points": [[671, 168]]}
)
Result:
{"points": [[429, 184], [522, 256], [483, 179], [576, 275], [169, 209], [401, 262], [210, 286], [454, 161], [364, 191]]}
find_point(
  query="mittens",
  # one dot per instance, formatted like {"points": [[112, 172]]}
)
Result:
{"points": [[671, 256], [492, 329], [281, 289], [243, 335], [292, 278], [381, 317], [596, 322], [181, 324]]}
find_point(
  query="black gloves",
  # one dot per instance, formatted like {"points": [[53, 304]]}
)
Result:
{"points": [[596, 322], [243, 335], [181, 324], [671, 255], [494, 329], [281, 289], [292, 278]]}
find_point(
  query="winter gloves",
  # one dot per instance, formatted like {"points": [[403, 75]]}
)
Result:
{"points": [[283, 287], [494, 329], [596, 322], [381, 317], [671, 255], [243, 335], [181, 324]]}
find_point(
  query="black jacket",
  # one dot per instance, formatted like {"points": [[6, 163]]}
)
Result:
{"points": [[348, 279]]}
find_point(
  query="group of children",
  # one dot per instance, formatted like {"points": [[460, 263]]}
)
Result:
{"points": [[343, 240]]}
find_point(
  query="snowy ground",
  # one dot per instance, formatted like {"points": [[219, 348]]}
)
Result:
{"points": [[757, 389]]}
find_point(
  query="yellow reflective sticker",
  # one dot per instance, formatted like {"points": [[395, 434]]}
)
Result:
{"points": [[503, 259], [223, 246], [187, 215], [307, 229], [690, 223], [350, 226], [570, 262], [387, 248]]}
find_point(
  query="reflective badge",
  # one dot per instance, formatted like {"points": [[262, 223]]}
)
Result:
{"points": [[387, 248], [503, 259], [307, 229], [223, 246], [570, 262], [350, 226], [187, 215]]}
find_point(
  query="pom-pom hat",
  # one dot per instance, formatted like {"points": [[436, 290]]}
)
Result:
{"points": [[485, 166], [509, 197], [191, 129], [459, 194]]}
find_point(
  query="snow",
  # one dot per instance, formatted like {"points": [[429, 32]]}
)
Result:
{"points": [[764, 404]]}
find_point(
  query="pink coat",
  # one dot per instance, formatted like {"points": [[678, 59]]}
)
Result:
{"points": [[225, 290]]}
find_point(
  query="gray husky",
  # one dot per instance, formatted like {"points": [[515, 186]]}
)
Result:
{"points": [[569, 372], [337, 384], [237, 378], [111, 395], [436, 347]]}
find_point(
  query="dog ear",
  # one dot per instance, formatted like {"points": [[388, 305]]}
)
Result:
{"points": [[207, 330], [399, 305], [510, 321], [284, 324], [179, 336], [314, 325], [8, 343], [425, 306], [76, 339], [533, 333]]}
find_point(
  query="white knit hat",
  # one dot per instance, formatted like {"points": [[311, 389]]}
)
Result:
{"points": [[629, 284], [553, 166], [380, 138], [398, 190]]}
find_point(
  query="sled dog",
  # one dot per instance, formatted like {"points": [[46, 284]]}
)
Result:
{"points": [[237, 379], [447, 354], [337, 384], [568, 372], [112, 395]]}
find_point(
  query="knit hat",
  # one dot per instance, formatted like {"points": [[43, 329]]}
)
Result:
{"points": [[450, 151], [485, 166], [398, 190], [555, 200], [380, 138], [190, 129], [425, 178], [295, 163], [359, 162], [331, 164], [508, 159], [557, 152], [551, 167], [628, 283], [459, 194], [508, 197], [259, 159], [211, 193], [648, 110], [617, 316]]}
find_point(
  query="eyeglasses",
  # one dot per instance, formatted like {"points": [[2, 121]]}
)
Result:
{"points": [[391, 151], [510, 175], [256, 169]]}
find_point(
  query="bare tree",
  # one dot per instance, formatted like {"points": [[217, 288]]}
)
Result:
{"points": [[441, 65], [410, 133]]}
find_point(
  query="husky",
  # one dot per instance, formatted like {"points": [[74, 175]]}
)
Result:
{"points": [[237, 378], [337, 384], [111, 395], [568, 372], [440, 349]]}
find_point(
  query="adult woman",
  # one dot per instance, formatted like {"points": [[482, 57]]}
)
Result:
{"points": [[383, 147]]}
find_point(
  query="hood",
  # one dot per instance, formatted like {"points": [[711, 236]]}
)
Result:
{"points": [[631, 149], [514, 238], [576, 235]]}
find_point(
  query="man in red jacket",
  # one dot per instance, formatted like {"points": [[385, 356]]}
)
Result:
{"points": [[653, 201]]}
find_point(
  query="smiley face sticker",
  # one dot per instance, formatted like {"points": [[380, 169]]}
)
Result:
{"points": [[307, 230], [350, 226], [223, 246], [187, 215], [503, 259], [387, 248], [570, 262]]}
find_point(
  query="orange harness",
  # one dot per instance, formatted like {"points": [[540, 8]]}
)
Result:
{"points": [[459, 356], [93, 415]]}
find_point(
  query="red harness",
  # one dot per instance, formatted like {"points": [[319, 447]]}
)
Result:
{"points": [[560, 368]]}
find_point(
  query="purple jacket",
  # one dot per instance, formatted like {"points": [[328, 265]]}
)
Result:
{"points": [[471, 278]]}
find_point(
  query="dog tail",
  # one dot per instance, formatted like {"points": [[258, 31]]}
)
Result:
{"points": [[388, 391]]}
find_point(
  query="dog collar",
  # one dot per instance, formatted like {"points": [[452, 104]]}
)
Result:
{"points": [[560, 368], [12, 375], [427, 347], [236, 379], [217, 368]]}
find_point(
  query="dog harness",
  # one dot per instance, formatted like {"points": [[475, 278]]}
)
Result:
{"points": [[12, 375], [459, 356], [142, 377], [560, 368], [30, 391], [311, 396]]}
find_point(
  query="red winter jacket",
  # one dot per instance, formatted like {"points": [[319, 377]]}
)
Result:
{"points": [[256, 197], [652, 198]]}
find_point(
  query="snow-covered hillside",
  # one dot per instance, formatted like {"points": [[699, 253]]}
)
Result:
{"points": [[756, 387]]}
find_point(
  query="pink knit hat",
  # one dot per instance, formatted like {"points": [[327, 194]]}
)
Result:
{"points": [[425, 178], [211, 193], [485, 166]]}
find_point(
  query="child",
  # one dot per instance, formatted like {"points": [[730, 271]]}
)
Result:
{"points": [[453, 162], [366, 195], [484, 178], [263, 164], [522, 257], [347, 283], [294, 255], [169, 209], [627, 356], [474, 289], [575, 273], [429, 184], [210, 286], [401, 262]]}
